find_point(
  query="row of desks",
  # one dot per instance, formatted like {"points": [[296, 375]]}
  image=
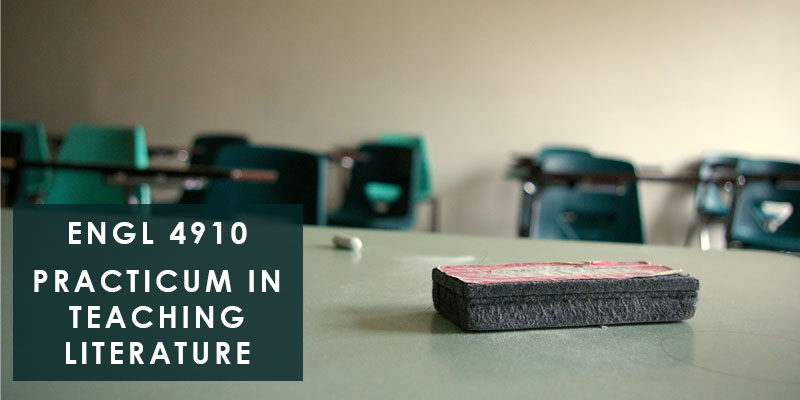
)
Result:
{"points": [[342, 154], [128, 175], [195, 176], [532, 178], [525, 169]]}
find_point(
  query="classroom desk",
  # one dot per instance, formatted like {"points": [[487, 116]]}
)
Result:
{"points": [[127, 174], [370, 330]]}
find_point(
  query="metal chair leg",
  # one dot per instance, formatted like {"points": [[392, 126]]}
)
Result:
{"points": [[690, 234], [705, 237], [434, 214], [526, 209]]}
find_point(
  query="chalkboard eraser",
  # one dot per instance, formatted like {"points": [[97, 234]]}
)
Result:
{"points": [[558, 295]]}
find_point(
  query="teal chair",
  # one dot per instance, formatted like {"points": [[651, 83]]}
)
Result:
{"points": [[95, 144], [394, 165], [37, 180], [752, 224], [607, 213], [384, 192], [712, 199], [302, 178], [529, 188], [204, 151]]}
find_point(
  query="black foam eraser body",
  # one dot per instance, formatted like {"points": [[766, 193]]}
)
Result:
{"points": [[557, 295]]}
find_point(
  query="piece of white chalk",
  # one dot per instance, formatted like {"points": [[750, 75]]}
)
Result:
{"points": [[347, 242]]}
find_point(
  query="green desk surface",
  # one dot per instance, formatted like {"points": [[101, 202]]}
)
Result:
{"points": [[370, 330]]}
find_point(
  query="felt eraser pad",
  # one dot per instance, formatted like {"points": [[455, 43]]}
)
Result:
{"points": [[557, 295]]}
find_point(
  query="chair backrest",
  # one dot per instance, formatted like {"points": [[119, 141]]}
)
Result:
{"points": [[548, 151], [37, 180], [12, 145], [97, 144], [711, 198], [302, 177], [387, 164], [205, 149], [423, 171], [527, 200], [599, 213], [207, 146], [766, 214]]}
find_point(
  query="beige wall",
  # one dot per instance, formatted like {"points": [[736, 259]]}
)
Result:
{"points": [[658, 82]]}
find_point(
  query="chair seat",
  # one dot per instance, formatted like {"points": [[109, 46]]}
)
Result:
{"points": [[776, 243], [712, 204], [716, 213], [383, 192]]}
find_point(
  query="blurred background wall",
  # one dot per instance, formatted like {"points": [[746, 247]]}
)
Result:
{"points": [[657, 82]]}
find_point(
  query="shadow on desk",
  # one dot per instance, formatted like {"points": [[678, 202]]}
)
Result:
{"points": [[621, 349], [402, 319]]}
